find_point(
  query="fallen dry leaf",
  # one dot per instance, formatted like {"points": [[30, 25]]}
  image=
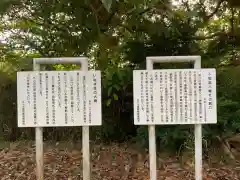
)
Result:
{"points": [[109, 162]]}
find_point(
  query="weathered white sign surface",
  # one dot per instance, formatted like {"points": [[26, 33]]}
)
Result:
{"points": [[59, 98], [175, 96]]}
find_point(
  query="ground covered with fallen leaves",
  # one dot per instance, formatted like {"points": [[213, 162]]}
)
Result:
{"points": [[63, 161]]}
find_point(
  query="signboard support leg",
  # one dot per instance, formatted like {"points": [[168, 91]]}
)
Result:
{"points": [[152, 152], [152, 141], [39, 143], [198, 152], [39, 153], [86, 154], [85, 141], [198, 138]]}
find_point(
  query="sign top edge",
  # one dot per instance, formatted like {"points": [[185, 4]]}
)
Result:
{"points": [[190, 69], [82, 71]]}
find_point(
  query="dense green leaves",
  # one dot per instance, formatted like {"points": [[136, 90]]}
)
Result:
{"points": [[117, 36]]}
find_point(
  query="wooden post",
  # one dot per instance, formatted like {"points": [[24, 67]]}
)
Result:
{"points": [[85, 141], [152, 140], [198, 138], [39, 142]]}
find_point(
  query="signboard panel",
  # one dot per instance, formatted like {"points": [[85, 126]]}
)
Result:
{"points": [[175, 96], [59, 98]]}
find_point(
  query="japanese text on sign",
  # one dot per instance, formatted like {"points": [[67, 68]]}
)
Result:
{"points": [[175, 96], [59, 98]]}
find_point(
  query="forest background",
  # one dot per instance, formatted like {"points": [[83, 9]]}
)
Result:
{"points": [[117, 36]]}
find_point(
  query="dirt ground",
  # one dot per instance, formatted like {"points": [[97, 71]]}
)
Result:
{"points": [[63, 161]]}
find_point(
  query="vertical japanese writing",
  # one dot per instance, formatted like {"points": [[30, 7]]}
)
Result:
{"points": [[138, 111], [23, 113], [78, 92], [34, 101], [53, 101], [28, 89], [95, 88], [84, 100], [46, 94], [195, 94], [209, 91], [161, 95], [59, 89], [90, 100], [142, 93], [166, 94], [156, 81], [40, 84], [156, 76], [151, 97], [181, 95], [147, 96], [205, 109], [71, 99], [200, 96], [90, 111], [190, 95], [176, 95], [65, 97], [141, 103], [171, 96], [185, 97]]}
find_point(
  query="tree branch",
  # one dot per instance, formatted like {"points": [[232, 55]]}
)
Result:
{"points": [[151, 7], [96, 18], [199, 38], [110, 17], [232, 20], [186, 4], [214, 11]]}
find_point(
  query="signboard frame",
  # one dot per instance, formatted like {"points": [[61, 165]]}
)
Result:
{"points": [[59, 98], [196, 60], [175, 96], [83, 61]]}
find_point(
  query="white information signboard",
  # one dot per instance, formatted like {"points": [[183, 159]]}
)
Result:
{"points": [[175, 96], [59, 98]]}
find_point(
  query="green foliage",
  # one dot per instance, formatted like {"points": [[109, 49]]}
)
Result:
{"points": [[171, 137], [228, 104], [117, 36], [117, 104]]}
